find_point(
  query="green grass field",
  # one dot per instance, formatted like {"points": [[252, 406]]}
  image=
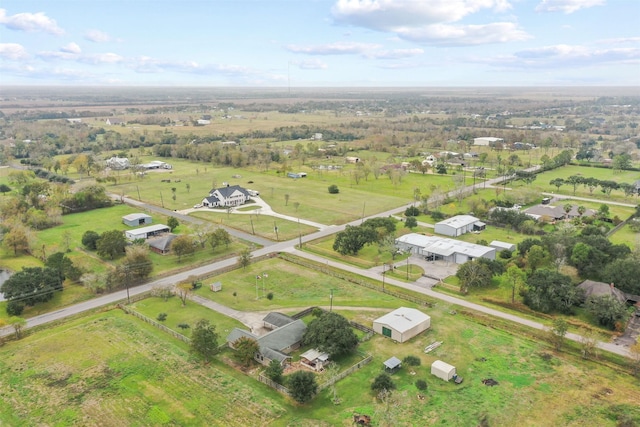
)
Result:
{"points": [[112, 369]]}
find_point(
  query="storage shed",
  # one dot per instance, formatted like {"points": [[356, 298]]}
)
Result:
{"points": [[443, 370], [146, 232], [459, 225], [402, 324], [136, 219], [503, 245]]}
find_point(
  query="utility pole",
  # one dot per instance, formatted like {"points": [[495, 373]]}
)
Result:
{"points": [[331, 301], [383, 271]]}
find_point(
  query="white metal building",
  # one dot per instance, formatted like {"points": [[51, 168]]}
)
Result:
{"points": [[486, 140], [402, 324], [459, 225], [146, 232], [503, 245], [436, 248], [443, 370], [136, 219]]}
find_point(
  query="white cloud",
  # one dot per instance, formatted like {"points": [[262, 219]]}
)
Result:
{"points": [[465, 35], [71, 48], [567, 6], [431, 22], [338, 48], [30, 22], [101, 58], [387, 15], [395, 53], [12, 51], [312, 64], [565, 56], [97, 36]]}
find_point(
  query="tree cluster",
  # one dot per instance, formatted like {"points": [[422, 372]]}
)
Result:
{"points": [[331, 333], [354, 238]]}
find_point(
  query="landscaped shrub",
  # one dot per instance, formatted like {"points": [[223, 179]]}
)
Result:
{"points": [[421, 385], [437, 215], [183, 326], [270, 296], [411, 361], [505, 254], [162, 317], [333, 189], [412, 211]]}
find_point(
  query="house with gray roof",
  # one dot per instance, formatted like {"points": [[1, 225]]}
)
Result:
{"points": [[556, 213], [599, 289], [276, 320], [230, 195], [274, 345]]}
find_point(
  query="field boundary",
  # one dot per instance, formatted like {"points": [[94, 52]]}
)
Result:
{"points": [[336, 273]]}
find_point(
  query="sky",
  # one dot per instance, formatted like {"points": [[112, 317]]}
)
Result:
{"points": [[320, 43]]}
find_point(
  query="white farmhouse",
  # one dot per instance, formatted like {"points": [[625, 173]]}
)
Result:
{"points": [[233, 195]]}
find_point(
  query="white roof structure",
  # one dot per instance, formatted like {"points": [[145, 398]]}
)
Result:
{"points": [[403, 319], [443, 370], [315, 354], [444, 246], [459, 221], [502, 245], [135, 216]]}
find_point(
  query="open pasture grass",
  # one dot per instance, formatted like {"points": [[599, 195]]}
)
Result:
{"points": [[111, 369], [260, 225], [293, 286], [308, 197]]}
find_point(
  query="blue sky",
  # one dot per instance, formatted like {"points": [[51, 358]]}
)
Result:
{"points": [[310, 43]]}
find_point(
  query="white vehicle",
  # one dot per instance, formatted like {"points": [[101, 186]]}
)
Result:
{"points": [[253, 193], [197, 206]]}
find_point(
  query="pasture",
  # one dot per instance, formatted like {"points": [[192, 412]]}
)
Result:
{"points": [[113, 369]]}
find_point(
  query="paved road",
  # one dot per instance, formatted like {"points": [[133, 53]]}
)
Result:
{"points": [[289, 246]]}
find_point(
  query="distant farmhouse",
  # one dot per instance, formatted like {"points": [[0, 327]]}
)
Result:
{"points": [[276, 344], [637, 186], [233, 195], [155, 164], [556, 213], [459, 225], [113, 121], [118, 163], [436, 248], [487, 141]]}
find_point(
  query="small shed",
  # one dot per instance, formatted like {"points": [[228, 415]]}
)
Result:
{"points": [[161, 245], [314, 359], [443, 370], [392, 364], [136, 219], [503, 245], [216, 287]]}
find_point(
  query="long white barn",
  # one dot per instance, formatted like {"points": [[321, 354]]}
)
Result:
{"points": [[441, 248]]}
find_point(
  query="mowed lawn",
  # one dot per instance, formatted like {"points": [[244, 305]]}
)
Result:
{"points": [[306, 198], [112, 369]]}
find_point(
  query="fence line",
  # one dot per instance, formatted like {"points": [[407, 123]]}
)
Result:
{"points": [[273, 384], [339, 275], [154, 323], [346, 372]]}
